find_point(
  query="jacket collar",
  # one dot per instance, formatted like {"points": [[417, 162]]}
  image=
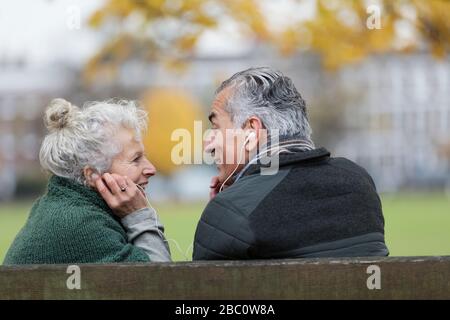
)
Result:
{"points": [[292, 156]]}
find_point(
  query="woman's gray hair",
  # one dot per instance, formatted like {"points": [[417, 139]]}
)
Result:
{"points": [[80, 137], [270, 96]]}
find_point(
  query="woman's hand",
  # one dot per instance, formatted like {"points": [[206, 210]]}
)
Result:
{"points": [[121, 194]]}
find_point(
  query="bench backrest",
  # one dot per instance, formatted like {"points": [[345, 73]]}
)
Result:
{"points": [[345, 278]]}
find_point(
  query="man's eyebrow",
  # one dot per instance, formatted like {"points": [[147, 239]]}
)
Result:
{"points": [[211, 116]]}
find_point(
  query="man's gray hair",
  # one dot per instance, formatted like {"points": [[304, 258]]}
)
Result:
{"points": [[270, 96], [80, 137]]}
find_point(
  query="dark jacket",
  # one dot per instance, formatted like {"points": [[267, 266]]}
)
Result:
{"points": [[315, 206]]}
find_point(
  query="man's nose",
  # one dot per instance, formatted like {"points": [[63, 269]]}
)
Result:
{"points": [[208, 142], [208, 147]]}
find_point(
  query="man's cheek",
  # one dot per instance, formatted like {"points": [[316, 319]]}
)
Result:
{"points": [[223, 173], [227, 153]]}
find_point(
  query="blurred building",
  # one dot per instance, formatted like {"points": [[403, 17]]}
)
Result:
{"points": [[394, 111], [24, 92], [395, 108], [402, 121]]}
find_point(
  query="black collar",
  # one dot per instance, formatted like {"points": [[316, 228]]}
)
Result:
{"points": [[295, 157]]}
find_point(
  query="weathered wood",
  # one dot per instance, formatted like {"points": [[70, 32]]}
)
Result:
{"points": [[346, 278]]}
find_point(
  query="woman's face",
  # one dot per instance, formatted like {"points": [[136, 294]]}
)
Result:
{"points": [[132, 162]]}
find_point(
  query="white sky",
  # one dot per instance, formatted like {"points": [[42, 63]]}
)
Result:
{"points": [[38, 30]]}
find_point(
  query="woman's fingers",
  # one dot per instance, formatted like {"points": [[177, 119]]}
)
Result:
{"points": [[121, 182], [104, 191], [121, 194], [112, 184], [131, 186]]}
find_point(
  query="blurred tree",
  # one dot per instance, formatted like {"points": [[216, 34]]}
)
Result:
{"points": [[169, 109], [168, 31], [340, 31]]}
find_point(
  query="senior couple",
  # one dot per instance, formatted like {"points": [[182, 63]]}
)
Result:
{"points": [[96, 211]]}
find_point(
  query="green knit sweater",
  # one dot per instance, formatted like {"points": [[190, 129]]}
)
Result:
{"points": [[71, 224]]}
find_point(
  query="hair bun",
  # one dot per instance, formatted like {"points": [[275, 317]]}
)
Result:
{"points": [[59, 114]]}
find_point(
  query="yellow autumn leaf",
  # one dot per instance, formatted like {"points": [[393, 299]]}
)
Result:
{"points": [[169, 109]]}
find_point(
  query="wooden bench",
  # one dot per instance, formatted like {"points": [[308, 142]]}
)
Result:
{"points": [[343, 278]]}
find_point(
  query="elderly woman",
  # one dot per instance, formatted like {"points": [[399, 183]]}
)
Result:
{"points": [[95, 209]]}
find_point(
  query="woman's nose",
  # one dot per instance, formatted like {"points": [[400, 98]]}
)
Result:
{"points": [[149, 169]]}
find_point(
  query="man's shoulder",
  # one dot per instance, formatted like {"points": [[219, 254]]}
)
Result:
{"points": [[350, 168], [245, 194], [347, 164]]}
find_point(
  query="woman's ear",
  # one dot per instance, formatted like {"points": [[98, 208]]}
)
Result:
{"points": [[90, 175]]}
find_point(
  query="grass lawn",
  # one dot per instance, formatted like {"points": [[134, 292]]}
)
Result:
{"points": [[416, 224]]}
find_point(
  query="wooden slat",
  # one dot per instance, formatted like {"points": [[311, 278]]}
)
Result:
{"points": [[401, 278]]}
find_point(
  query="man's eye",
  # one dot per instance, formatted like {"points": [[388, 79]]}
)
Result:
{"points": [[137, 159]]}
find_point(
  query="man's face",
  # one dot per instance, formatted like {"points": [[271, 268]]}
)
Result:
{"points": [[224, 142]]}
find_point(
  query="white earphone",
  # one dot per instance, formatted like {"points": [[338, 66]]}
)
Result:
{"points": [[250, 135]]}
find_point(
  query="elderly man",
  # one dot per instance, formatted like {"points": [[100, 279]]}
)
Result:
{"points": [[311, 205]]}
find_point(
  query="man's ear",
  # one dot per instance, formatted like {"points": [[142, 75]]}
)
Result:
{"points": [[90, 175], [255, 125]]}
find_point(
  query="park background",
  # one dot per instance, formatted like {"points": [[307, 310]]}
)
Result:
{"points": [[377, 92]]}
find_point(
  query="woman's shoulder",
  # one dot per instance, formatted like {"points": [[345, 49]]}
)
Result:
{"points": [[58, 232], [57, 215], [64, 212]]}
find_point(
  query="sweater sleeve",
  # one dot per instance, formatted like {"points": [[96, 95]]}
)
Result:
{"points": [[99, 238], [146, 232]]}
